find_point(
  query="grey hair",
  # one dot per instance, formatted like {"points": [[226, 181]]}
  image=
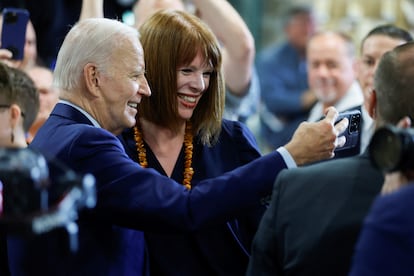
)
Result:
{"points": [[89, 41], [394, 84], [347, 39]]}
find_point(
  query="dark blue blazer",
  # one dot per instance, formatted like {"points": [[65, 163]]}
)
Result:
{"points": [[386, 243], [221, 249], [130, 198], [314, 218]]}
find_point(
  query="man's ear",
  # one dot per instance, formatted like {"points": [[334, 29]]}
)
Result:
{"points": [[91, 77], [15, 114], [372, 104]]}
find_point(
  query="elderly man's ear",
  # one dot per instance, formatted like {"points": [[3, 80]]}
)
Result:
{"points": [[91, 77]]}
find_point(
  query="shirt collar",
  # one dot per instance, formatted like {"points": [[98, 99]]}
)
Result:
{"points": [[90, 118]]}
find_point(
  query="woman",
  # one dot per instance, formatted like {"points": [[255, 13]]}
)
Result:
{"points": [[180, 133], [19, 103]]}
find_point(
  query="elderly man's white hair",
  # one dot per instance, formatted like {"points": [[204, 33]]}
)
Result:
{"points": [[91, 40]]}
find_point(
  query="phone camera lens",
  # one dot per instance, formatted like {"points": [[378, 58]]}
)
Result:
{"points": [[10, 17], [354, 123]]}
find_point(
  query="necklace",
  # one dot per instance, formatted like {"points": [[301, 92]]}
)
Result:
{"points": [[188, 152]]}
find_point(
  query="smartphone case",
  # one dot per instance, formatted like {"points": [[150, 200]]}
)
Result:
{"points": [[352, 133], [13, 34]]}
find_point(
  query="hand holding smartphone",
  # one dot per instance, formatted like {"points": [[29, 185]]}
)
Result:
{"points": [[13, 33]]}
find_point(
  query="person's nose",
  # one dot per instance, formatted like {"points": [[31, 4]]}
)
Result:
{"points": [[144, 88], [323, 71], [198, 83]]}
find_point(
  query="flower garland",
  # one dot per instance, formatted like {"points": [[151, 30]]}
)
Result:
{"points": [[188, 151]]}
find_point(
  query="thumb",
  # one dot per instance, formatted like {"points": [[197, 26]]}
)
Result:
{"points": [[331, 114]]}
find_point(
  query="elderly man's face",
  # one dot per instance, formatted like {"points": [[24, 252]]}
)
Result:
{"points": [[122, 87]]}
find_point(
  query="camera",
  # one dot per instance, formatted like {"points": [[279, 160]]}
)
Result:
{"points": [[392, 148], [41, 195]]}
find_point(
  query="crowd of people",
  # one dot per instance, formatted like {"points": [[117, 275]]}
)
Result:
{"points": [[158, 113]]}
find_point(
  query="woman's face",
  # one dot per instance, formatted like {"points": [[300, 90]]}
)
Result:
{"points": [[192, 81]]}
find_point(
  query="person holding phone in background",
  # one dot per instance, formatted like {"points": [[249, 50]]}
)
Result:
{"points": [[18, 30], [17, 33]]}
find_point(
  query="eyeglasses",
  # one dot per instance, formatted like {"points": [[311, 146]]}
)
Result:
{"points": [[8, 106]]}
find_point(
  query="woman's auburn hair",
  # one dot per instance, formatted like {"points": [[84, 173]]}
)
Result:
{"points": [[172, 39]]}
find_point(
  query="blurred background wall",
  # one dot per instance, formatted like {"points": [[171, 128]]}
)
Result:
{"points": [[356, 17], [264, 17]]}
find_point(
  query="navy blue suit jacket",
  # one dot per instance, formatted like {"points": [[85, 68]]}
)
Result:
{"points": [[386, 243], [130, 198]]}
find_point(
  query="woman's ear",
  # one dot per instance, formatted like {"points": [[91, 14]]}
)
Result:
{"points": [[91, 77]]}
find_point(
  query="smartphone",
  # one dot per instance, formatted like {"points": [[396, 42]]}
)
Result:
{"points": [[352, 133], [13, 32]]}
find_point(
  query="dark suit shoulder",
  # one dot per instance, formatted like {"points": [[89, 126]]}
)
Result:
{"points": [[319, 210], [328, 172]]}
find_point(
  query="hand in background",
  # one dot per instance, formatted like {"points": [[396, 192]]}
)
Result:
{"points": [[5, 57]]}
